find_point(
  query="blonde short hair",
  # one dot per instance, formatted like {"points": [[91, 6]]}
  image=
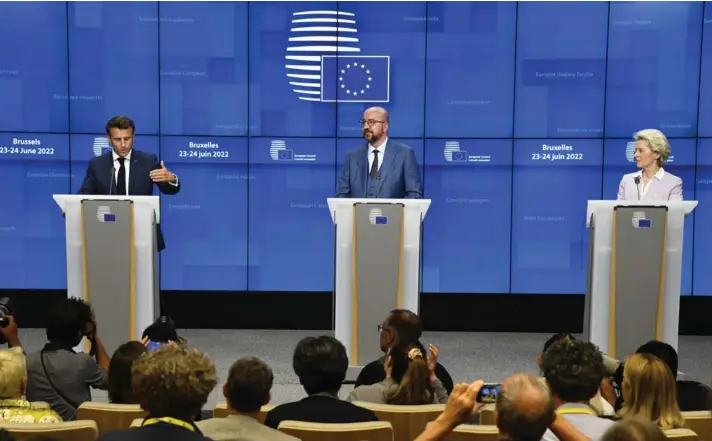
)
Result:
{"points": [[173, 381], [12, 372], [657, 141]]}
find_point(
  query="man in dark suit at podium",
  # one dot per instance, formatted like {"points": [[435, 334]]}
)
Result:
{"points": [[126, 171], [380, 168]]}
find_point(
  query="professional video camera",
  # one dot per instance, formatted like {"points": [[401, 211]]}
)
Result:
{"points": [[5, 309], [161, 332]]}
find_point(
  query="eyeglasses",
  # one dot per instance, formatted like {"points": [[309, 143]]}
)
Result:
{"points": [[370, 122], [382, 328]]}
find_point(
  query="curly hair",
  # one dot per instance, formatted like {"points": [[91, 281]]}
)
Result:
{"points": [[173, 381], [573, 369]]}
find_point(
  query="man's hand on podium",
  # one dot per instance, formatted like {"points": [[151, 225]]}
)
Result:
{"points": [[162, 174]]}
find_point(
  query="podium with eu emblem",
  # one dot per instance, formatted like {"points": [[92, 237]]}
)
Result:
{"points": [[112, 261], [377, 267], [634, 273]]}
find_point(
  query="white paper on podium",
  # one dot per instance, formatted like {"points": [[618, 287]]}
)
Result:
{"points": [[144, 209], [601, 214], [342, 214]]}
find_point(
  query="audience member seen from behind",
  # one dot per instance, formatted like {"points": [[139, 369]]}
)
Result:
{"points": [[410, 379], [634, 430], [600, 405], [120, 389], [400, 327], [172, 385], [691, 395], [573, 371], [13, 382], [321, 364], [247, 389], [649, 392], [58, 375]]}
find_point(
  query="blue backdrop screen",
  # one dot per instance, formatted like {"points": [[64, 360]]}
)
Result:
{"points": [[553, 180], [466, 242], [470, 70], [560, 68], [205, 225], [33, 167], [705, 116], [653, 67], [518, 114], [33, 67], [113, 64], [203, 70]]}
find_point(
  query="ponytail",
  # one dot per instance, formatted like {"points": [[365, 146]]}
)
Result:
{"points": [[414, 387]]}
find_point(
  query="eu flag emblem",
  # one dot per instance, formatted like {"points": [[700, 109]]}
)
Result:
{"points": [[355, 79]]}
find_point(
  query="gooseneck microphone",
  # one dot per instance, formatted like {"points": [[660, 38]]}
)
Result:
{"points": [[637, 185], [111, 179]]}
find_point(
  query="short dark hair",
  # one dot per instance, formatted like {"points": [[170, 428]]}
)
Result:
{"points": [[67, 321], [121, 123], [573, 369], [321, 364], [248, 384], [120, 389], [557, 338], [406, 325], [663, 351]]}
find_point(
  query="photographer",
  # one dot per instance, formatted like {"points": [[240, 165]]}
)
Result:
{"points": [[59, 375]]}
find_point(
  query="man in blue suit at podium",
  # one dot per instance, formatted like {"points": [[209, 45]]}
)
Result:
{"points": [[381, 168], [126, 171]]}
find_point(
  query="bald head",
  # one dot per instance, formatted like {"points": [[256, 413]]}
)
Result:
{"points": [[524, 408], [379, 112]]}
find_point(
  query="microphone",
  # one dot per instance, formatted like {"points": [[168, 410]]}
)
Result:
{"points": [[111, 178], [637, 185]]}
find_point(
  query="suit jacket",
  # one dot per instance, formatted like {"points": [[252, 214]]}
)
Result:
{"points": [[240, 427], [319, 409], [99, 179], [400, 174], [666, 187]]}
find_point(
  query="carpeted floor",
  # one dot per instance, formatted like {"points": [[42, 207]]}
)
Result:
{"points": [[467, 356]]}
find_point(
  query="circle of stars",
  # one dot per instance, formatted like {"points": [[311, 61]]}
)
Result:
{"points": [[348, 89]]}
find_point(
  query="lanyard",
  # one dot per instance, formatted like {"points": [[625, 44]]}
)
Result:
{"points": [[578, 410], [169, 420]]}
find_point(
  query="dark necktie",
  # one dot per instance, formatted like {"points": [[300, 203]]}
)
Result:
{"points": [[121, 179], [374, 166]]}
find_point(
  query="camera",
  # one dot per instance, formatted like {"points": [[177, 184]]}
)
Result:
{"points": [[5, 309], [162, 331]]}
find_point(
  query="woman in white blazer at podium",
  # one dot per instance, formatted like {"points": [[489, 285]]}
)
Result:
{"points": [[651, 182]]}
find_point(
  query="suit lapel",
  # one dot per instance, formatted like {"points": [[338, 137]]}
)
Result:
{"points": [[388, 158], [133, 171], [362, 170]]}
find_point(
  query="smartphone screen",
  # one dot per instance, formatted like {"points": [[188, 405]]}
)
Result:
{"points": [[488, 393], [153, 345]]}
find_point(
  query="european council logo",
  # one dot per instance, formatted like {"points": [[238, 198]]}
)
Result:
{"points": [[104, 214], [376, 217], [630, 151], [453, 153], [101, 146], [278, 151], [640, 221], [317, 74]]}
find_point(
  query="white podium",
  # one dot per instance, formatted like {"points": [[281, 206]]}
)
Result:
{"points": [[112, 261], [378, 243], [634, 273]]}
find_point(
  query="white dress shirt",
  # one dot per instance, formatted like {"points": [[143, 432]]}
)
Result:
{"points": [[644, 187], [381, 150], [127, 166]]}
